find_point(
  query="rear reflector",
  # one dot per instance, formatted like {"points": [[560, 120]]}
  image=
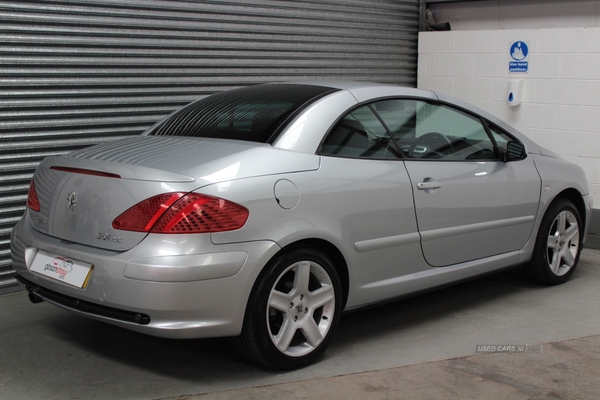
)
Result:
{"points": [[182, 213], [85, 171], [32, 199]]}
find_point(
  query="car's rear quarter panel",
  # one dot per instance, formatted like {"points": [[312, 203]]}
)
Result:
{"points": [[345, 202]]}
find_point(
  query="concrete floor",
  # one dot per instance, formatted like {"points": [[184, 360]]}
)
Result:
{"points": [[422, 347], [564, 370]]}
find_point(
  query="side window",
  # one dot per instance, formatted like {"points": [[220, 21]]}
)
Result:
{"points": [[500, 137], [360, 134], [400, 117], [432, 131]]}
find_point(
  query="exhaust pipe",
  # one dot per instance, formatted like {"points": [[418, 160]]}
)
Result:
{"points": [[34, 298]]}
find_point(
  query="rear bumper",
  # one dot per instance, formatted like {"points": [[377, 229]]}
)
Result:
{"points": [[173, 286], [40, 293]]}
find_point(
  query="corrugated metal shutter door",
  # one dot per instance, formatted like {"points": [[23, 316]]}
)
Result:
{"points": [[77, 73]]}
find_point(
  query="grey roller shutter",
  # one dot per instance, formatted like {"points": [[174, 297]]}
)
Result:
{"points": [[77, 73]]}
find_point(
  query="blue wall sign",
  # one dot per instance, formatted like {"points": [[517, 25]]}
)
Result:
{"points": [[518, 58]]}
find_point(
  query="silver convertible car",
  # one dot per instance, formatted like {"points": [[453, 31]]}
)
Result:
{"points": [[262, 213]]}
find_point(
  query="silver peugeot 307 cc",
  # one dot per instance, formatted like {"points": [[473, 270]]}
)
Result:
{"points": [[264, 212]]}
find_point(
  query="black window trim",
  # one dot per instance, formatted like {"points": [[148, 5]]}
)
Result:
{"points": [[487, 126]]}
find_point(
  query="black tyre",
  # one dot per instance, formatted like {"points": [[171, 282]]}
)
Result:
{"points": [[557, 246], [293, 310]]}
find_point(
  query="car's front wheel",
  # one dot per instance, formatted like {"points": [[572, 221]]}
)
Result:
{"points": [[293, 310], [558, 245]]}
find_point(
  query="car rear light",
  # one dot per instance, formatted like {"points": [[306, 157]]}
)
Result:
{"points": [[85, 171], [143, 216], [182, 213], [32, 198]]}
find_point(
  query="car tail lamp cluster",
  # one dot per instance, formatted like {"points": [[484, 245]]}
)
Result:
{"points": [[182, 213], [32, 198]]}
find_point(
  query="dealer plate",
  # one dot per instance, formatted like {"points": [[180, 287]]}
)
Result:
{"points": [[61, 268]]}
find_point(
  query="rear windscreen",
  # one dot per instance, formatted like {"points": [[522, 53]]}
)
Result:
{"points": [[255, 113]]}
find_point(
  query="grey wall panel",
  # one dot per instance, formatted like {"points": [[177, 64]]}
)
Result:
{"points": [[77, 73]]}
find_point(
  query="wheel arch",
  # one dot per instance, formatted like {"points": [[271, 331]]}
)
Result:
{"points": [[333, 253], [575, 197]]}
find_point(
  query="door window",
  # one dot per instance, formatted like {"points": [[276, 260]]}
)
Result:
{"points": [[432, 131]]}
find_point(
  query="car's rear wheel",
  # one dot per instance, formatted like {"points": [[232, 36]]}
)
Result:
{"points": [[558, 245], [293, 310]]}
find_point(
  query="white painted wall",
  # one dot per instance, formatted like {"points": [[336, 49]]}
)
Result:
{"points": [[518, 14], [561, 103]]}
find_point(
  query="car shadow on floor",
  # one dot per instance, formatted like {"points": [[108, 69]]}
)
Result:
{"points": [[431, 306], [213, 358]]}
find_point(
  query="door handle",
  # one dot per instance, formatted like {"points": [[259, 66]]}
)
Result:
{"points": [[428, 185]]}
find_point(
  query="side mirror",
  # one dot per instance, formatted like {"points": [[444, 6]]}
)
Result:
{"points": [[515, 150]]}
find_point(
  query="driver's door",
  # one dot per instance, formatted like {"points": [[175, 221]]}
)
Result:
{"points": [[469, 204]]}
